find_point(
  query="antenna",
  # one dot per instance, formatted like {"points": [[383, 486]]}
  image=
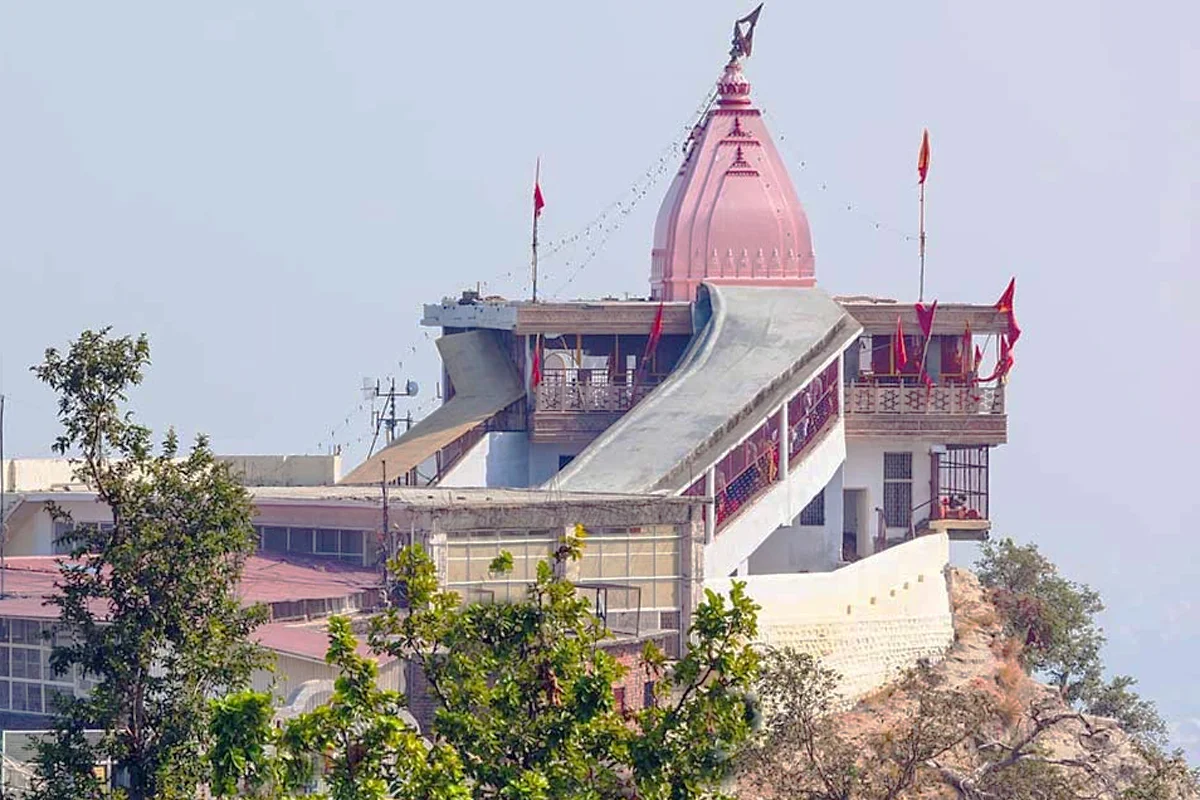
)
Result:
{"points": [[385, 418]]}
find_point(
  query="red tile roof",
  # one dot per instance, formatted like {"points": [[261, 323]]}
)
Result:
{"points": [[266, 579]]}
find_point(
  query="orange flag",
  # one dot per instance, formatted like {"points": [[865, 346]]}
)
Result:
{"points": [[923, 157]]}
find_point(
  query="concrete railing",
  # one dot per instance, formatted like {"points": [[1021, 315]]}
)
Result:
{"points": [[868, 397]]}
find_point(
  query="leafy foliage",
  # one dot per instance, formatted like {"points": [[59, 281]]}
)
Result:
{"points": [[525, 690], [148, 610], [1056, 619], [526, 704], [937, 739], [360, 738], [803, 753]]}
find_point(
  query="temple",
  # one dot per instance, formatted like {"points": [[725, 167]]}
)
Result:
{"points": [[817, 440]]}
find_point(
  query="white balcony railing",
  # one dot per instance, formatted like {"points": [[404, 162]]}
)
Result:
{"points": [[866, 397]]}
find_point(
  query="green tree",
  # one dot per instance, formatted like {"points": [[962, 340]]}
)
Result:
{"points": [[360, 735], [526, 703], [149, 609], [1056, 620]]}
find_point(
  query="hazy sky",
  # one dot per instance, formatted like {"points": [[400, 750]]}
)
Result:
{"points": [[271, 190]]}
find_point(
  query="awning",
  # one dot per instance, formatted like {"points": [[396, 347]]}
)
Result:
{"points": [[485, 383]]}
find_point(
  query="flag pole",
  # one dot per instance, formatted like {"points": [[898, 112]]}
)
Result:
{"points": [[537, 175], [922, 174], [921, 288]]}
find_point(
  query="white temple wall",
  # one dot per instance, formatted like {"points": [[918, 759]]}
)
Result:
{"points": [[500, 458], [805, 548], [869, 620], [864, 471]]}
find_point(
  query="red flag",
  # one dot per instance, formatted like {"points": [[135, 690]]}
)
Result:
{"points": [[968, 362], [539, 202], [978, 357], [1014, 330], [535, 373], [925, 318], [655, 330], [899, 351], [923, 157], [1005, 303], [1004, 361]]}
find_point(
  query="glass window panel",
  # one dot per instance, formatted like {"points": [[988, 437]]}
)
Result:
{"points": [[4, 700], [456, 569], [327, 541], [275, 539], [589, 566], [4, 625], [25, 631], [4, 666], [27, 663], [352, 542], [666, 557], [666, 594], [300, 540], [481, 559], [614, 561], [641, 558]]}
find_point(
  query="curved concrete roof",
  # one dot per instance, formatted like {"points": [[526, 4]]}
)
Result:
{"points": [[758, 346]]}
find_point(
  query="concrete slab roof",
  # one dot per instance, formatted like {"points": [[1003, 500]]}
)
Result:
{"points": [[757, 340]]}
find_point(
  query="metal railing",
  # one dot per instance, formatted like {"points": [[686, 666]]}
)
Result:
{"points": [[738, 491], [914, 397]]}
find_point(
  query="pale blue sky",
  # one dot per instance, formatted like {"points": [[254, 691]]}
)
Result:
{"points": [[270, 191]]}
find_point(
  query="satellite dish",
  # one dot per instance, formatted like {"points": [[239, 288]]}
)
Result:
{"points": [[411, 388]]}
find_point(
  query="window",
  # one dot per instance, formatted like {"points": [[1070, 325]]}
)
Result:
{"points": [[27, 697], [275, 540], [27, 663], [648, 694], [327, 542], [300, 540], [26, 631], [619, 698], [563, 461], [65, 534], [897, 489], [814, 512]]}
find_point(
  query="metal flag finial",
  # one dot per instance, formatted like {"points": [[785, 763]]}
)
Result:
{"points": [[743, 39]]}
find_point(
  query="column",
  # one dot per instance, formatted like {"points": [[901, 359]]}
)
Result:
{"points": [[710, 510]]}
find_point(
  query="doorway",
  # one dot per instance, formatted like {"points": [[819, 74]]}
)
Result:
{"points": [[855, 529]]}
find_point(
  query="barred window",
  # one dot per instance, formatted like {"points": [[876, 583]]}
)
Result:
{"points": [[897, 489], [814, 513]]}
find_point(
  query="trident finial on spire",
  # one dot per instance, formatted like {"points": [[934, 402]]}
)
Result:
{"points": [[743, 41]]}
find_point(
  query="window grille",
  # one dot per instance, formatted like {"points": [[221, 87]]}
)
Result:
{"points": [[814, 513], [897, 489]]}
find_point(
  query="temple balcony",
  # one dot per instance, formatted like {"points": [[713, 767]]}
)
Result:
{"points": [[575, 405], [957, 413]]}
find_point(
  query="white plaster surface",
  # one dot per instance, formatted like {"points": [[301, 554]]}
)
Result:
{"points": [[869, 620]]}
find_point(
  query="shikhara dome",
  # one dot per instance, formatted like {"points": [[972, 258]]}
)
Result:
{"points": [[732, 215]]}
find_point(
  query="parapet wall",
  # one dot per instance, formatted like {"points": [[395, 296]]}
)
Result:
{"points": [[869, 621]]}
